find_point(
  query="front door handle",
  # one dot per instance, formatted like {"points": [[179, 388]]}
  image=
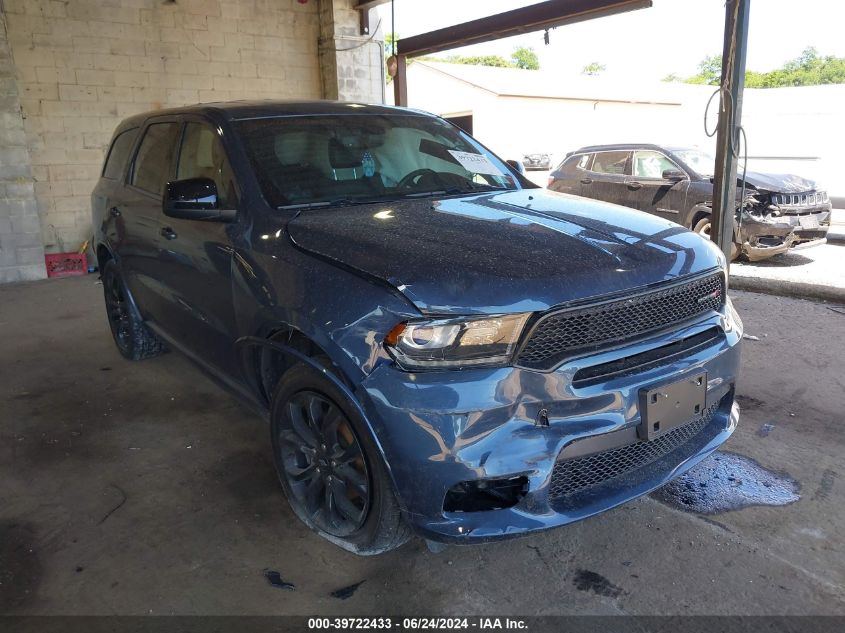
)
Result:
{"points": [[633, 186], [168, 233], [586, 181], [114, 212]]}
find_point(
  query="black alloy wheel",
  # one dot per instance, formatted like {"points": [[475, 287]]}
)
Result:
{"points": [[324, 464], [117, 309]]}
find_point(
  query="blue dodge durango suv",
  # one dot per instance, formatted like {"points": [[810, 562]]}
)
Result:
{"points": [[438, 345]]}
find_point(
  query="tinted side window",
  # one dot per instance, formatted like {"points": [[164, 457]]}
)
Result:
{"points": [[155, 156], [584, 161], [202, 156], [610, 162], [118, 154]]}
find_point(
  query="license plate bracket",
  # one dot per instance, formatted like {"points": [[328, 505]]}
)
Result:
{"points": [[669, 406], [808, 221]]}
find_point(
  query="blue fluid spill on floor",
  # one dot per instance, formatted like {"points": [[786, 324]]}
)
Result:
{"points": [[726, 481]]}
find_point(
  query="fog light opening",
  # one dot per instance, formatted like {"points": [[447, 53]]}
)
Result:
{"points": [[486, 494]]}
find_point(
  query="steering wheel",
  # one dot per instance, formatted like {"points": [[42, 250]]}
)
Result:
{"points": [[410, 179]]}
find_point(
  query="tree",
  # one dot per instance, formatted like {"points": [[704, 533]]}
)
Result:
{"points": [[390, 40], [709, 71], [808, 69], [479, 60], [593, 68], [524, 57]]}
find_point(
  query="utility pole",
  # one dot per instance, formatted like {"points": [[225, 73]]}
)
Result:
{"points": [[730, 115]]}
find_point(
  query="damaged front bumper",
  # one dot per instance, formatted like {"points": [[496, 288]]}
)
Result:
{"points": [[507, 435], [762, 237], [810, 226], [766, 231]]}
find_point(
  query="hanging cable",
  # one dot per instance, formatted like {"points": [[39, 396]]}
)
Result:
{"points": [[727, 105], [352, 48]]}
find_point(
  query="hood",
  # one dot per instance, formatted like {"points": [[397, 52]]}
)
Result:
{"points": [[778, 183], [509, 252]]}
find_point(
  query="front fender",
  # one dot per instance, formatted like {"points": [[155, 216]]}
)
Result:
{"points": [[246, 347]]}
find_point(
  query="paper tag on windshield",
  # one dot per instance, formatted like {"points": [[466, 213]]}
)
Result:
{"points": [[476, 163]]}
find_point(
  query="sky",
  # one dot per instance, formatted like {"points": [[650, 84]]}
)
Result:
{"points": [[673, 36]]}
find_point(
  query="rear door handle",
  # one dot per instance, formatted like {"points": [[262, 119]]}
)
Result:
{"points": [[168, 233], [633, 186], [114, 212], [586, 181]]}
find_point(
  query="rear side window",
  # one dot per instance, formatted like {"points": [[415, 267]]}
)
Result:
{"points": [[584, 161], [610, 163], [118, 154], [154, 158]]}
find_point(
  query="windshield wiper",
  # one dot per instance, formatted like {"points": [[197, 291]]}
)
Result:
{"points": [[334, 202], [343, 201], [304, 205], [475, 188], [453, 191]]}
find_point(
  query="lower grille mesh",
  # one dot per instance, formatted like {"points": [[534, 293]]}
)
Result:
{"points": [[575, 475]]}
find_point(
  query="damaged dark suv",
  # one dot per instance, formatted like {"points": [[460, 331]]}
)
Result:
{"points": [[438, 345], [779, 211]]}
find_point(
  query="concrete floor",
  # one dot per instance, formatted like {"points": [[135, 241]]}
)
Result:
{"points": [[134, 488]]}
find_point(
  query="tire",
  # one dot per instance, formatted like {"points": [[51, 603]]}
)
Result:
{"points": [[133, 339], [702, 227], [329, 467]]}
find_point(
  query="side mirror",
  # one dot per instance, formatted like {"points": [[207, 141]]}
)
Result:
{"points": [[674, 174], [517, 165], [195, 199]]}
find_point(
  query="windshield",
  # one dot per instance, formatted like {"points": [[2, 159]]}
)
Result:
{"points": [[701, 162], [349, 159]]}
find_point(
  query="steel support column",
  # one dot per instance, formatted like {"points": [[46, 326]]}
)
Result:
{"points": [[400, 81], [730, 116]]}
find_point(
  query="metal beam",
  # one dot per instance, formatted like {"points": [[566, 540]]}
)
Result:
{"points": [[730, 117], [536, 17], [363, 7], [369, 4]]}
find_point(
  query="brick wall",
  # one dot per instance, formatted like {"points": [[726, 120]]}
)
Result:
{"points": [[83, 65], [21, 251]]}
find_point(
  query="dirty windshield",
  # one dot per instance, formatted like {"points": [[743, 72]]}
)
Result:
{"points": [[354, 159]]}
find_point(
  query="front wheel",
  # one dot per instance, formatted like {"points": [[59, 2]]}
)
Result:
{"points": [[329, 467], [703, 226]]}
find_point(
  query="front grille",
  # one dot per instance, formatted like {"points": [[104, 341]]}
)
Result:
{"points": [[562, 334], [646, 360], [805, 199], [572, 476]]}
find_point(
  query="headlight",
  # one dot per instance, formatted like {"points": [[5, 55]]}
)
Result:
{"points": [[485, 341]]}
